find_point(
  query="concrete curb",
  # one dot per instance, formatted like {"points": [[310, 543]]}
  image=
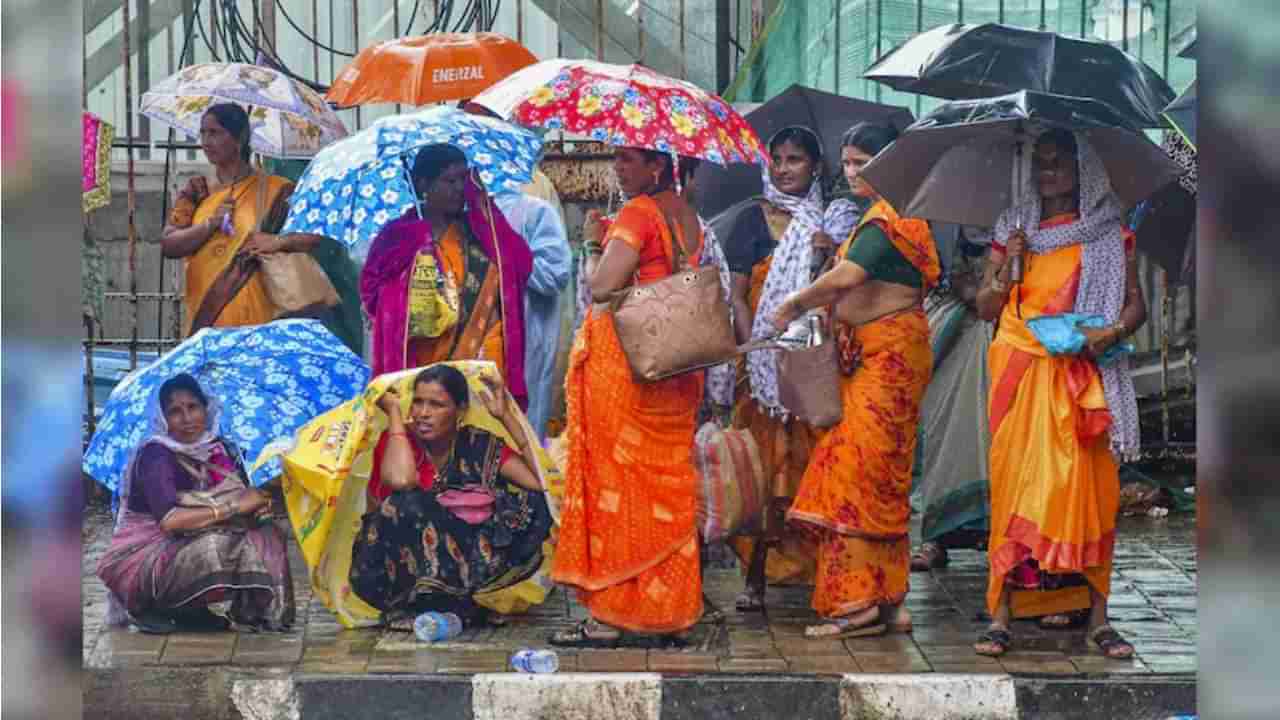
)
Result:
{"points": [[219, 693]]}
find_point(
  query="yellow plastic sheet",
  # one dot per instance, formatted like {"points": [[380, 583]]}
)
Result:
{"points": [[326, 473]]}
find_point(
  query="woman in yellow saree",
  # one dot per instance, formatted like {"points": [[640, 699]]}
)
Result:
{"points": [[219, 231], [1059, 422], [628, 540], [854, 496]]}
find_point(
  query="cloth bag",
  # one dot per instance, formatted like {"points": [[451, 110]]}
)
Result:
{"points": [[294, 281], [809, 378], [674, 325], [731, 481]]}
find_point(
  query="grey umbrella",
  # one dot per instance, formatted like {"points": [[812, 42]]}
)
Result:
{"points": [[956, 164]]}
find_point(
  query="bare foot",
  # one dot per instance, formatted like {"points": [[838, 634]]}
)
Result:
{"points": [[866, 622]]}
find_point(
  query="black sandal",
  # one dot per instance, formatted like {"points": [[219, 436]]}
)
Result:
{"points": [[995, 635], [580, 636], [200, 620], [928, 556], [749, 600], [153, 623], [1107, 640]]}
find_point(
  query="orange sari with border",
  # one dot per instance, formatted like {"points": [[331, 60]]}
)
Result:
{"points": [[785, 447], [1055, 487], [855, 493], [628, 541], [251, 305]]}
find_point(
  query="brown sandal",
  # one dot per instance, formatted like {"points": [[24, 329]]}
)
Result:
{"points": [[1108, 641]]}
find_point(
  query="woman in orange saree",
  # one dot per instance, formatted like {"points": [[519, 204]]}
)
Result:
{"points": [[854, 496], [1059, 422], [628, 541]]}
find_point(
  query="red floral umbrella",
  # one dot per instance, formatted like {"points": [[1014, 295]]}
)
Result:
{"points": [[628, 105]]}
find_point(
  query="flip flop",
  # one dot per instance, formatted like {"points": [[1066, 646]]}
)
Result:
{"points": [[995, 635], [866, 630], [1107, 640], [579, 636], [748, 601]]}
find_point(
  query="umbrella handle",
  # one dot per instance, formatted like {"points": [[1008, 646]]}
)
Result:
{"points": [[408, 176]]}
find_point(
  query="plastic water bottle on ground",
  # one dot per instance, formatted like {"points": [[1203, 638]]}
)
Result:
{"points": [[528, 660], [436, 627]]}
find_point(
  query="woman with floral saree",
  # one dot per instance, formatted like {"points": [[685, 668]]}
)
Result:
{"points": [[1059, 423], [854, 498], [628, 542], [190, 532], [221, 231], [455, 512], [482, 267]]}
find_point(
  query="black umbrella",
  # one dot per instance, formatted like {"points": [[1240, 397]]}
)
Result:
{"points": [[1165, 228], [1189, 50], [956, 164], [975, 61], [826, 114], [1182, 113]]}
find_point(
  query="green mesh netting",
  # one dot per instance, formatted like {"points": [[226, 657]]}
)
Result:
{"points": [[827, 44]]}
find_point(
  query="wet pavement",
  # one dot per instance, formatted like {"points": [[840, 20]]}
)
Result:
{"points": [[1153, 604]]}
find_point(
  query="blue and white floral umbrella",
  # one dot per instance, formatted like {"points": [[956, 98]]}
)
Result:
{"points": [[356, 186], [270, 380]]}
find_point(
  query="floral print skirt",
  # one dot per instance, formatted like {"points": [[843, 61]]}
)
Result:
{"points": [[413, 554]]}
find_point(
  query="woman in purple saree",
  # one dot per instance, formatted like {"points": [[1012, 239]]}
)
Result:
{"points": [[190, 532], [482, 266]]}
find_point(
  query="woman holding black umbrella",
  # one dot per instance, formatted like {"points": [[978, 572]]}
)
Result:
{"points": [[1059, 423]]}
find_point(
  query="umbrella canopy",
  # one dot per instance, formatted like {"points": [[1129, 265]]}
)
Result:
{"points": [[428, 69], [1189, 50], [1166, 223], [826, 114], [355, 187], [1182, 114], [286, 118], [270, 380], [625, 105], [95, 155], [956, 163], [975, 61]]}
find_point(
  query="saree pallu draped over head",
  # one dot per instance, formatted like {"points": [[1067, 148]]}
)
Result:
{"points": [[146, 568], [1100, 231], [385, 290], [854, 498], [628, 538]]}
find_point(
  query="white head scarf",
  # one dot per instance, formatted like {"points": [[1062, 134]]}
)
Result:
{"points": [[1100, 230]]}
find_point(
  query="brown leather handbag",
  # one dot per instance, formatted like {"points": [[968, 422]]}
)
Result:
{"points": [[809, 382], [674, 325]]}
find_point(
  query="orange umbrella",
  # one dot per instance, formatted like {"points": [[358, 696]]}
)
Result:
{"points": [[427, 69]]}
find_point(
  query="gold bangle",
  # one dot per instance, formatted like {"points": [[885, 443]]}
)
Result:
{"points": [[216, 515]]}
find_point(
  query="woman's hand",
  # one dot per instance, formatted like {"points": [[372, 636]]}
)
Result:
{"points": [[196, 189], [260, 243], [593, 227], [822, 241], [786, 313], [1097, 341], [1016, 244], [494, 397], [389, 403]]}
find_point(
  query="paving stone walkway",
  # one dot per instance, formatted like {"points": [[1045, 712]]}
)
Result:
{"points": [[1153, 604]]}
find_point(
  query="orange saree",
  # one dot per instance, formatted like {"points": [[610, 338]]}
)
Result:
{"points": [[1055, 487], [785, 446], [855, 493], [250, 305], [627, 535]]}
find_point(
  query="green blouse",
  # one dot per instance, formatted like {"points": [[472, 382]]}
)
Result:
{"points": [[874, 252]]}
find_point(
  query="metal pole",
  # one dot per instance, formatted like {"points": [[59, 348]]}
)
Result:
{"points": [[835, 59], [520, 21], [722, 46], [1084, 18], [684, 55], [1166, 304], [1000, 12], [395, 29], [1168, 28], [960, 11], [355, 32], [88, 373], [1124, 25], [600, 30], [315, 32], [640, 35], [559, 29], [919, 29], [144, 68], [132, 195], [1043, 16], [880, 38]]}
